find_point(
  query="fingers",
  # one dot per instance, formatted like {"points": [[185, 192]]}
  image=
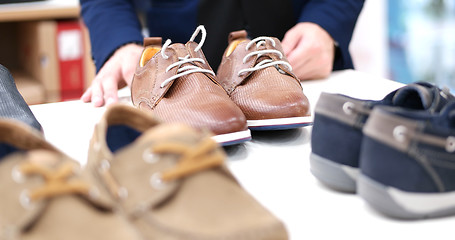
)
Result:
{"points": [[129, 64], [309, 66], [102, 92], [117, 72], [300, 60], [313, 69], [97, 93], [110, 89], [290, 40], [312, 56], [87, 96]]}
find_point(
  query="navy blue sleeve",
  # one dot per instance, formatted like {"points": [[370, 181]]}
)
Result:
{"points": [[338, 18], [111, 23]]}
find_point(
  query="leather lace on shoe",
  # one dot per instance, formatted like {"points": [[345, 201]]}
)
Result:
{"points": [[193, 159], [265, 62], [187, 69], [56, 182]]}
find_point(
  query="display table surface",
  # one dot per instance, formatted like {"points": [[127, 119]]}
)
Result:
{"points": [[274, 168]]}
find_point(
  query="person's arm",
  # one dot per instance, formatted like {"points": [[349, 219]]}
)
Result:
{"points": [[319, 43], [115, 36]]}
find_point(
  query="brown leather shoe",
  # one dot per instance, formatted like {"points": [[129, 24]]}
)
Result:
{"points": [[45, 195], [171, 181], [259, 79], [176, 84]]}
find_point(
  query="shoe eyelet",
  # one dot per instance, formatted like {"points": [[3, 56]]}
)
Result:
{"points": [[25, 200], [97, 146], [399, 133], [8, 231], [279, 69], [17, 175], [156, 182], [94, 193], [104, 165], [445, 92], [122, 193], [149, 157], [141, 207], [450, 144], [348, 108]]}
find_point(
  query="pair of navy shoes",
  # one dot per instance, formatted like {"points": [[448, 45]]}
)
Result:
{"points": [[397, 153]]}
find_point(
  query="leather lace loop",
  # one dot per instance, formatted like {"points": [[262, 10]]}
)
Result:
{"points": [[261, 41], [190, 63]]}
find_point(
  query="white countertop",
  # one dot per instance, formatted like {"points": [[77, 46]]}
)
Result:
{"points": [[274, 168]]}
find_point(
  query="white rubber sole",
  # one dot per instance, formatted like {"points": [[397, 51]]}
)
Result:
{"points": [[233, 138], [334, 175], [279, 123], [406, 205]]}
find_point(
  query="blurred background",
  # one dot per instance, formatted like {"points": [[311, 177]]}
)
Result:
{"points": [[407, 41]]}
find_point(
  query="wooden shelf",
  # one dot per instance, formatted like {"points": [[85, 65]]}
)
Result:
{"points": [[31, 33], [50, 9]]}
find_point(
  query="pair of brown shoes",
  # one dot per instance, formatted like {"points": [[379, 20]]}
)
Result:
{"points": [[254, 87], [143, 180]]}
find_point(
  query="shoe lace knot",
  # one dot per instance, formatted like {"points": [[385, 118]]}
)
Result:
{"points": [[268, 62], [190, 65]]}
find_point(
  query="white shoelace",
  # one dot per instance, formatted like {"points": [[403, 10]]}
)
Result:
{"points": [[193, 68], [266, 62]]}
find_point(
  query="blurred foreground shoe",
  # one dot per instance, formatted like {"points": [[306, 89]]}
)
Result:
{"points": [[45, 196], [176, 83], [259, 79], [337, 131], [407, 162], [171, 181]]}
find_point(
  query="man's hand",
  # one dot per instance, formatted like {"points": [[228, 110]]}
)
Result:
{"points": [[116, 73], [310, 51]]}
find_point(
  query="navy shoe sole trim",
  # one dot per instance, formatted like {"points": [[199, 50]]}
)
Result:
{"points": [[279, 127], [404, 205], [334, 175]]}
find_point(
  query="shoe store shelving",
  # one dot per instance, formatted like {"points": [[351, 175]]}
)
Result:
{"points": [[34, 47]]}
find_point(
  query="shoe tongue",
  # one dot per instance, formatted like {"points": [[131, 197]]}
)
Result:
{"points": [[262, 47], [6, 149], [179, 49], [413, 96]]}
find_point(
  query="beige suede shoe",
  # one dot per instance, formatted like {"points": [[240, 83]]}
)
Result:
{"points": [[45, 196], [259, 79], [176, 83], [171, 181]]}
